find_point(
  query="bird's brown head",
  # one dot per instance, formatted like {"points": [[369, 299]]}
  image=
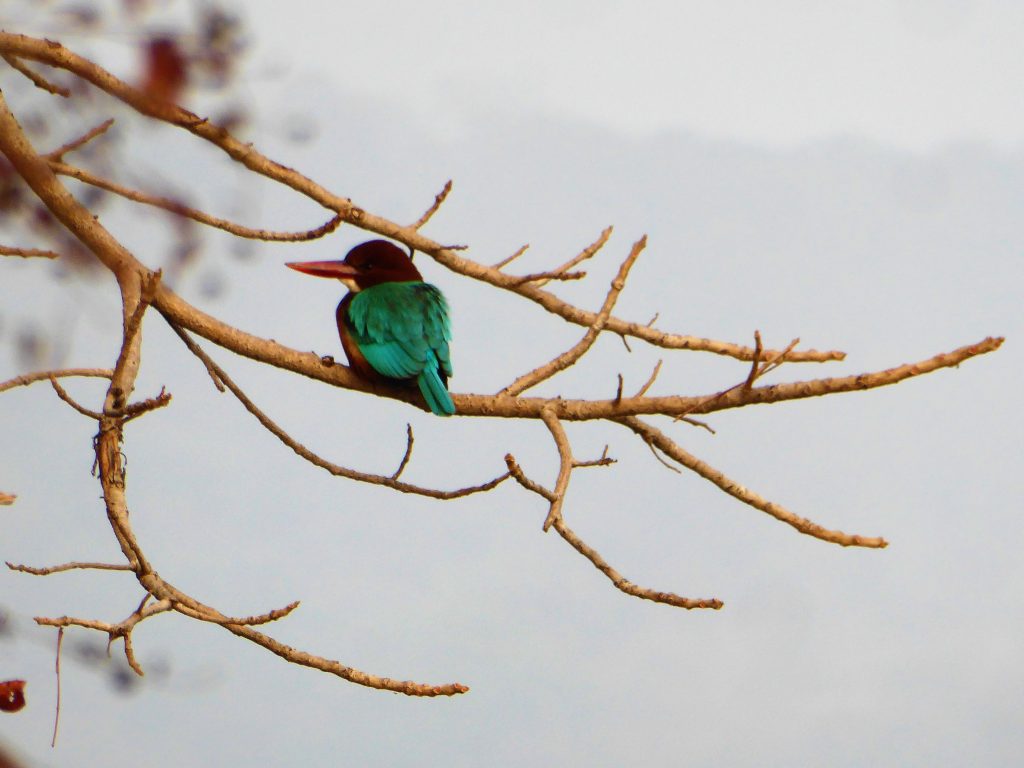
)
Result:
{"points": [[366, 265]]}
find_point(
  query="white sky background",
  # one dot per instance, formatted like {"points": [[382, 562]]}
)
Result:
{"points": [[852, 176], [909, 73]]}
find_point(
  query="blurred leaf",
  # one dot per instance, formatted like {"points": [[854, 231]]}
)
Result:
{"points": [[12, 695], [166, 69]]}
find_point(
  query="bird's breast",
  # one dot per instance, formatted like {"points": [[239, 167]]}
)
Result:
{"points": [[356, 359]]}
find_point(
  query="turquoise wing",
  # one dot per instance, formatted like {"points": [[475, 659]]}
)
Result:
{"points": [[402, 329]]}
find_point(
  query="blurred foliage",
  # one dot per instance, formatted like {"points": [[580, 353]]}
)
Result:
{"points": [[87, 650], [183, 51]]}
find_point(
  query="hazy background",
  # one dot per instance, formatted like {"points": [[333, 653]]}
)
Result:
{"points": [[852, 176]]}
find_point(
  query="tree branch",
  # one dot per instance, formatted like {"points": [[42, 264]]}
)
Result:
{"points": [[582, 256], [28, 253], [621, 583], [352, 474], [438, 200], [180, 209], [625, 585], [565, 466], [569, 357], [657, 439], [63, 395], [57, 155], [141, 288], [31, 378], [68, 567], [38, 80], [56, 55]]}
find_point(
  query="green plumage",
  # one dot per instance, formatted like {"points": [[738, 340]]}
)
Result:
{"points": [[402, 330]]}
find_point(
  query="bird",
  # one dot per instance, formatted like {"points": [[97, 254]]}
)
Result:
{"points": [[392, 324]]}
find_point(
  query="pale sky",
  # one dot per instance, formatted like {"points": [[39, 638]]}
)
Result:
{"points": [[852, 176], [913, 74]]}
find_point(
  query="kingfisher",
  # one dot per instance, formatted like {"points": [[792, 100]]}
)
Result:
{"points": [[392, 324]]}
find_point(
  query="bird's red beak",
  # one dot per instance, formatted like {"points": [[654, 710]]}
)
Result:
{"points": [[339, 270]]}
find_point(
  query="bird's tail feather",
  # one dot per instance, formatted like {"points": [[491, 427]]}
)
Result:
{"points": [[434, 391]]}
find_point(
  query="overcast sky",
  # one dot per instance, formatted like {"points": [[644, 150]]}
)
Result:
{"points": [[914, 74], [853, 176]]}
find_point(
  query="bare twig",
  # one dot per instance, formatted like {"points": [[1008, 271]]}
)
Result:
{"points": [[520, 477], [27, 253], [603, 461], [657, 439], [565, 465], [624, 584], [180, 209], [408, 453], [330, 666], [38, 80], [757, 370], [6, 499], [509, 259], [134, 410], [68, 567], [263, 618], [31, 378], [439, 198], [548, 276], [57, 155], [650, 381], [63, 395], [122, 630], [736, 397], [570, 356], [697, 423], [778, 359], [594, 557], [755, 363], [56, 664], [308, 455], [662, 461], [583, 255]]}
